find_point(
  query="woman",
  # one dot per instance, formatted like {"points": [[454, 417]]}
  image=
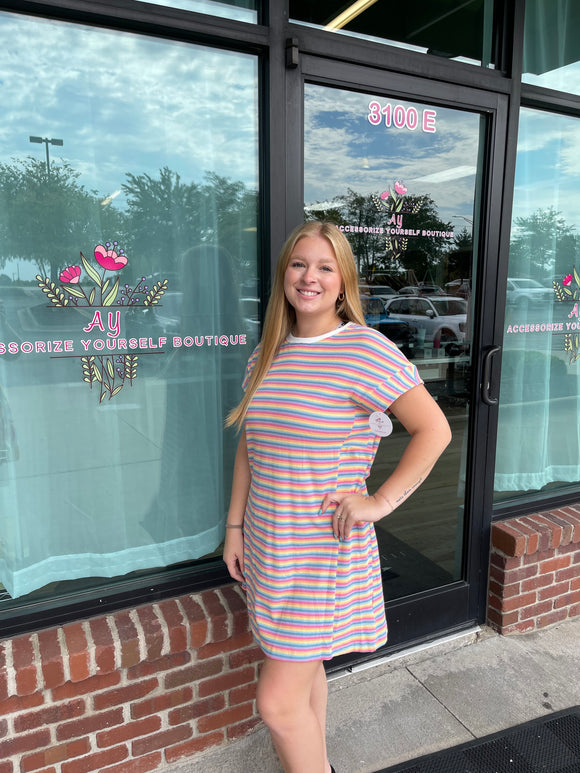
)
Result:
{"points": [[299, 533]]}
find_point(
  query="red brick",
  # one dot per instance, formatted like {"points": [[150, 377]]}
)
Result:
{"points": [[499, 620], [565, 525], [196, 709], [518, 602], [51, 659], [542, 531], [534, 610], [245, 656], [540, 581], [78, 652], [194, 746], [554, 564], [96, 761], [161, 702], [531, 534], [3, 728], [121, 695], [574, 610], [104, 644], [575, 584], [176, 625], [194, 673], [129, 638], [226, 681], [217, 615], [238, 609], [505, 563], [55, 754], [246, 692], [224, 718], [155, 667], [524, 627], [229, 645], [567, 600], [15, 703], [557, 589], [128, 731], [6, 767], [504, 591], [24, 665], [555, 616], [571, 572], [90, 724], [92, 685], [573, 517], [3, 679], [140, 765], [241, 729], [196, 620], [161, 740], [152, 631], [49, 715], [24, 743], [535, 558], [508, 539], [518, 575]]}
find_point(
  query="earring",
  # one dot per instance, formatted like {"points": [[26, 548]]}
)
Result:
{"points": [[340, 297]]}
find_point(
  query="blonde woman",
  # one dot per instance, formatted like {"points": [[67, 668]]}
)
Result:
{"points": [[299, 532]]}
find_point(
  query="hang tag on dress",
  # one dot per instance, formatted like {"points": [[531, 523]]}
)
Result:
{"points": [[380, 424]]}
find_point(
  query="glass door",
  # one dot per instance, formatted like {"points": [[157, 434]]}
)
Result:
{"points": [[404, 177]]}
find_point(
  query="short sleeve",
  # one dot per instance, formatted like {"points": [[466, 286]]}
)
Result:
{"points": [[383, 375], [250, 367]]}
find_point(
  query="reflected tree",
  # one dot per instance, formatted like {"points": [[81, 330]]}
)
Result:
{"points": [[543, 245], [47, 216]]}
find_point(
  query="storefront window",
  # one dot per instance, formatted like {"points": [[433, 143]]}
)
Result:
{"points": [[452, 29], [538, 446], [128, 297], [242, 10], [552, 45]]}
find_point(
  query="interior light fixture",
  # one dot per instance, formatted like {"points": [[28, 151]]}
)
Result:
{"points": [[349, 14]]}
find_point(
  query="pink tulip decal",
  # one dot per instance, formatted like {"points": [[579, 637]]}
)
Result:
{"points": [[110, 259], [400, 188], [70, 274], [567, 280], [385, 195]]}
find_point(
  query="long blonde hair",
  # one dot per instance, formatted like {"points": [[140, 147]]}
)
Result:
{"points": [[280, 315]]}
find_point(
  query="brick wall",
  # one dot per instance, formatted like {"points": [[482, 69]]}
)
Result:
{"points": [[534, 570], [129, 692]]}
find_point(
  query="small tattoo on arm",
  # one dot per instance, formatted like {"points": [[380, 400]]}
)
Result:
{"points": [[409, 491]]}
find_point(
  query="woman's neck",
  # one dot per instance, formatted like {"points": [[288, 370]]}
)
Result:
{"points": [[310, 328]]}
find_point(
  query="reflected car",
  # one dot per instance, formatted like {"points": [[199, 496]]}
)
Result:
{"points": [[522, 293], [399, 331], [421, 289], [443, 318]]}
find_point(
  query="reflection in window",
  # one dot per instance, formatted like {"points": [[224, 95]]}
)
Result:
{"points": [[552, 45], [451, 29], [538, 445], [125, 253], [242, 10]]}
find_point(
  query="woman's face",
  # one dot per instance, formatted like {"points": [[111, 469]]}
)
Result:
{"points": [[312, 281]]}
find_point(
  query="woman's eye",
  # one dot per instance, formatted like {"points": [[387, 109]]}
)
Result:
{"points": [[327, 268], [297, 264]]}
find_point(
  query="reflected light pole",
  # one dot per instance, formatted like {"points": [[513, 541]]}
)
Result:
{"points": [[47, 142]]}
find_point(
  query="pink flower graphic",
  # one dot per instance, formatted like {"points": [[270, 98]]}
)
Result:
{"points": [[567, 280], [385, 195], [108, 258], [400, 188], [70, 274]]}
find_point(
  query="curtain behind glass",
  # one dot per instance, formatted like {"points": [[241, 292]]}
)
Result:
{"points": [[126, 252], [538, 431]]}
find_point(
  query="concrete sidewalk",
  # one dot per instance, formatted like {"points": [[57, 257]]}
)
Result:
{"points": [[429, 699]]}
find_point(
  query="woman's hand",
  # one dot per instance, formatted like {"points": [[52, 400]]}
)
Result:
{"points": [[233, 554], [350, 508]]}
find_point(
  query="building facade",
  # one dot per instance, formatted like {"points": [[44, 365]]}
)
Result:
{"points": [[154, 157]]}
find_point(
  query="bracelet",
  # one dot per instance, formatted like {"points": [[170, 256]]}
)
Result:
{"points": [[234, 525]]}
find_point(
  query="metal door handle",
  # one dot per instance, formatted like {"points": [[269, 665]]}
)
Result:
{"points": [[487, 358]]}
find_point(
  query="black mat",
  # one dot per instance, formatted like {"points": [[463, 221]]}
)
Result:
{"points": [[550, 744]]}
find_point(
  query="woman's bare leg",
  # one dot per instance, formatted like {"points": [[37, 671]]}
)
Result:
{"points": [[292, 702]]}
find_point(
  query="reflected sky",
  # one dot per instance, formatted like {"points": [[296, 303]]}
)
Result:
{"points": [[224, 10], [344, 150], [126, 103]]}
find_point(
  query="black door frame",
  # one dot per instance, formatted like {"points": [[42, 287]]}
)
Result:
{"points": [[462, 604]]}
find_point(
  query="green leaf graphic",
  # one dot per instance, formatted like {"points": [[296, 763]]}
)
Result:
{"points": [[92, 272], [112, 294]]}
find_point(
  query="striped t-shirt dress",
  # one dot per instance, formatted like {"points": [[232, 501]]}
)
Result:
{"points": [[311, 596]]}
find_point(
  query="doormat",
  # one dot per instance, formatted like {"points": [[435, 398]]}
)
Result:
{"points": [[549, 744]]}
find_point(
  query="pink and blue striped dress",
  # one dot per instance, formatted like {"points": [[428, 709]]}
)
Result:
{"points": [[311, 596]]}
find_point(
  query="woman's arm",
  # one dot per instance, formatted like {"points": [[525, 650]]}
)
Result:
{"points": [[430, 434], [233, 553]]}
